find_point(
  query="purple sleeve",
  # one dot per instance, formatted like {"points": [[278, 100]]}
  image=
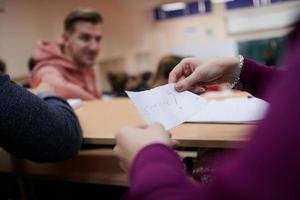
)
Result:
{"points": [[256, 78], [158, 173], [267, 167]]}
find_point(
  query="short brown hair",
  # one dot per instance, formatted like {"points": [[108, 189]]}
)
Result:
{"points": [[81, 15], [165, 66]]}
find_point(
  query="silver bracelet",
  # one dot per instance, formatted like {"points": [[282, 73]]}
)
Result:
{"points": [[238, 72]]}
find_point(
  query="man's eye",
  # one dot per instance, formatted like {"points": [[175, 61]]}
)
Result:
{"points": [[98, 39], [85, 38]]}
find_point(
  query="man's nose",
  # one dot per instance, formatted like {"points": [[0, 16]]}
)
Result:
{"points": [[94, 45]]}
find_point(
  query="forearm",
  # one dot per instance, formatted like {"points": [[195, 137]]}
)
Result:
{"points": [[36, 129], [257, 78], [60, 85], [69, 90]]}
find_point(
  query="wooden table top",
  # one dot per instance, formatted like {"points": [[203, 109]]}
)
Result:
{"points": [[100, 121]]}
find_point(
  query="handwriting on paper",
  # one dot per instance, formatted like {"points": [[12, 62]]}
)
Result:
{"points": [[164, 105]]}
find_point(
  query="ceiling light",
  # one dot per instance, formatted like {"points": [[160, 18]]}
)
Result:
{"points": [[221, 1], [173, 6]]}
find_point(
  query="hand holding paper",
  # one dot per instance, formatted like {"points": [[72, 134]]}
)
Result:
{"points": [[171, 108]]}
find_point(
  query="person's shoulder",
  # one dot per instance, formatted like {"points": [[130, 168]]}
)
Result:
{"points": [[4, 78]]}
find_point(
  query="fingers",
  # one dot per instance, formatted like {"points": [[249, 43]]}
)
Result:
{"points": [[187, 70], [176, 73], [119, 154], [198, 90], [119, 134], [188, 82], [174, 144], [156, 126], [117, 151], [184, 69], [123, 166], [142, 126]]}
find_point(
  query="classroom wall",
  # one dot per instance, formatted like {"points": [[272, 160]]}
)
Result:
{"points": [[130, 33], [18, 34], [201, 33]]}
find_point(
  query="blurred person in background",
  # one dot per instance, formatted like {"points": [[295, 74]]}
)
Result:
{"points": [[68, 66], [165, 66], [135, 83], [2, 67], [31, 63], [122, 81], [118, 82]]}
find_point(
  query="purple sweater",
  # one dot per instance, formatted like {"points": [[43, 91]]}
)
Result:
{"points": [[267, 167]]}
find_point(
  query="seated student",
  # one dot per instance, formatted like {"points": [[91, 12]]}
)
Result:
{"points": [[267, 167], [136, 83], [117, 82], [31, 64], [165, 66], [68, 66], [41, 129], [2, 67]]}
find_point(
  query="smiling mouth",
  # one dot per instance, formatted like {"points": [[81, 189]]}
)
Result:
{"points": [[91, 56]]}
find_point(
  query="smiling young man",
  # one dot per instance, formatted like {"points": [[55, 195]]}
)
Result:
{"points": [[68, 66]]}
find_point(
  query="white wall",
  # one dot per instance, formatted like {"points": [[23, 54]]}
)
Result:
{"points": [[18, 34]]}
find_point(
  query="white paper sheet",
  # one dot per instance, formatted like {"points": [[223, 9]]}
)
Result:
{"points": [[232, 110], [74, 103], [164, 105]]}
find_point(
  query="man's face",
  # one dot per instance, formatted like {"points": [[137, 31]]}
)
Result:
{"points": [[83, 44]]}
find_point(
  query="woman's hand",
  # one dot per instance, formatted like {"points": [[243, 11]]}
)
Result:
{"points": [[130, 140], [194, 74]]}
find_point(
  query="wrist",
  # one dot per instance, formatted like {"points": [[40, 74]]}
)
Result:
{"points": [[239, 62], [233, 63]]}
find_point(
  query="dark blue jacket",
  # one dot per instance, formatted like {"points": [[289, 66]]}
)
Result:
{"points": [[40, 129]]}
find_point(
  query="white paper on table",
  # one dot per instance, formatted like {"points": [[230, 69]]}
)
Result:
{"points": [[232, 110], [74, 103], [165, 105]]}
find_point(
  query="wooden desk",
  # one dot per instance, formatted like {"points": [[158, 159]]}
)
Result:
{"points": [[89, 166], [100, 121]]}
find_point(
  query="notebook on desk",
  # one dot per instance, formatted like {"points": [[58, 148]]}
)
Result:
{"points": [[231, 110]]}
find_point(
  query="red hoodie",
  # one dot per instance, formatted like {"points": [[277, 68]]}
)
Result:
{"points": [[67, 79]]}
